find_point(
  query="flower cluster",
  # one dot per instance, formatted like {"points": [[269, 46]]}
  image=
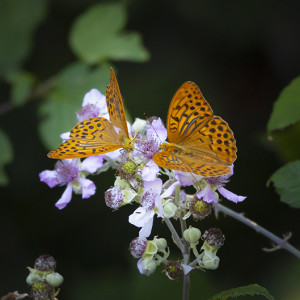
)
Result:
{"points": [[140, 182]]}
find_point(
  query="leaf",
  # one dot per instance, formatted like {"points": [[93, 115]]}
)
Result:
{"points": [[287, 183], [22, 83], [18, 20], [286, 108], [58, 111], [6, 156], [96, 36], [252, 289]]}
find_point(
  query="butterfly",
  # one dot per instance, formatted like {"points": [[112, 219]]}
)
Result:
{"points": [[98, 135], [199, 141]]}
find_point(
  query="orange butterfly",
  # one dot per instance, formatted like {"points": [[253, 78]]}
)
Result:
{"points": [[199, 142], [98, 135]]}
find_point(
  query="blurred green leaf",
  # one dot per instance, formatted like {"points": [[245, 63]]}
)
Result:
{"points": [[65, 99], [18, 20], [286, 108], [22, 83], [96, 36], [6, 156], [252, 289], [287, 183]]}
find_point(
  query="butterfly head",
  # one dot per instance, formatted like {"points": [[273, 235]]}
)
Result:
{"points": [[128, 144]]}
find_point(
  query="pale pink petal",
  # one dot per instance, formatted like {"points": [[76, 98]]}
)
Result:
{"points": [[186, 178], [88, 187], [159, 206], [157, 131], [49, 177], [169, 191], [154, 185], [207, 194], [96, 98], [65, 136], [230, 196], [114, 154], [150, 171], [92, 164], [65, 198], [146, 229], [140, 217]]}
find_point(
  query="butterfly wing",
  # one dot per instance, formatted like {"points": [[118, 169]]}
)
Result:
{"points": [[115, 105], [188, 111], [89, 137]]}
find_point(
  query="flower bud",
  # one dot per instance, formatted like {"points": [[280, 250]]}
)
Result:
{"points": [[160, 243], [192, 235], [146, 266], [170, 210], [150, 250], [32, 278], [210, 261], [173, 269], [54, 279], [137, 247], [45, 263], [113, 198]]}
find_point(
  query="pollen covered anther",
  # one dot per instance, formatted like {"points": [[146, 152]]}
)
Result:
{"points": [[199, 209]]}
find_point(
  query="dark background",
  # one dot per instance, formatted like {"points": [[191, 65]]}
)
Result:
{"points": [[241, 54]]}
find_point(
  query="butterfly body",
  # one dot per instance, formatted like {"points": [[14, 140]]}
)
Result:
{"points": [[199, 141], [98, 135]]}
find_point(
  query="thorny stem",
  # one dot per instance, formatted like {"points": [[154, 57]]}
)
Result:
{"points": [[282, 243]]}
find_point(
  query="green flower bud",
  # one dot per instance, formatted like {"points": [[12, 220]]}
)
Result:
{"points": [[147, 266], [170, 210], [150, 250], [160, 243], [32, 278], [210, 261], [54, 279], [192, 235]]}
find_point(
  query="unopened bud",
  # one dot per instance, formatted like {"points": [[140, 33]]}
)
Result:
{"points": [[192, 235], [210, 261], [113, 198], [170, 210], [146, 266], [160, 243], [54, 279], [137, 247], [32, 278]]}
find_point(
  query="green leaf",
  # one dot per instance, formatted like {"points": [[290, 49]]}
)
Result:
{"points": [[286, 108], [252, 289], [287, 183], [18, 20], [22, 83], [58, 111], [96, 36], [6, 156]]}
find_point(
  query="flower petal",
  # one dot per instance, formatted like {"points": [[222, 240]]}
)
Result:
{"points": [[155, 186], [146, 229], [230, 196], [169, 191], [49, 177], [140, 217], [207, 194], [186, 178], [150, 170], [157, 131], [92, 164], [65, 198], [65, 136], [187, 269], [88, 187], [96, 98], [114, 154]]}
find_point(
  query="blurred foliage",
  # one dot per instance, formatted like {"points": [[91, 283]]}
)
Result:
{"points": [[253, 289], [97, 35], [286, 108], [6, 156], [287, 183]]}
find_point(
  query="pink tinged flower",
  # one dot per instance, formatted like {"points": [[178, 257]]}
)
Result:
{"points": [[186, 178], [150, 171], [142, 217], [69, 172], [230, 196], [113, 198], [137, 247], [157, 131], [92, 164], [93, 105], [207, 194]]}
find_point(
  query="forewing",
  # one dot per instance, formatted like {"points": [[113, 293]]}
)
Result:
{"points": [[188, 112], [115, 105], [89, 137]]}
